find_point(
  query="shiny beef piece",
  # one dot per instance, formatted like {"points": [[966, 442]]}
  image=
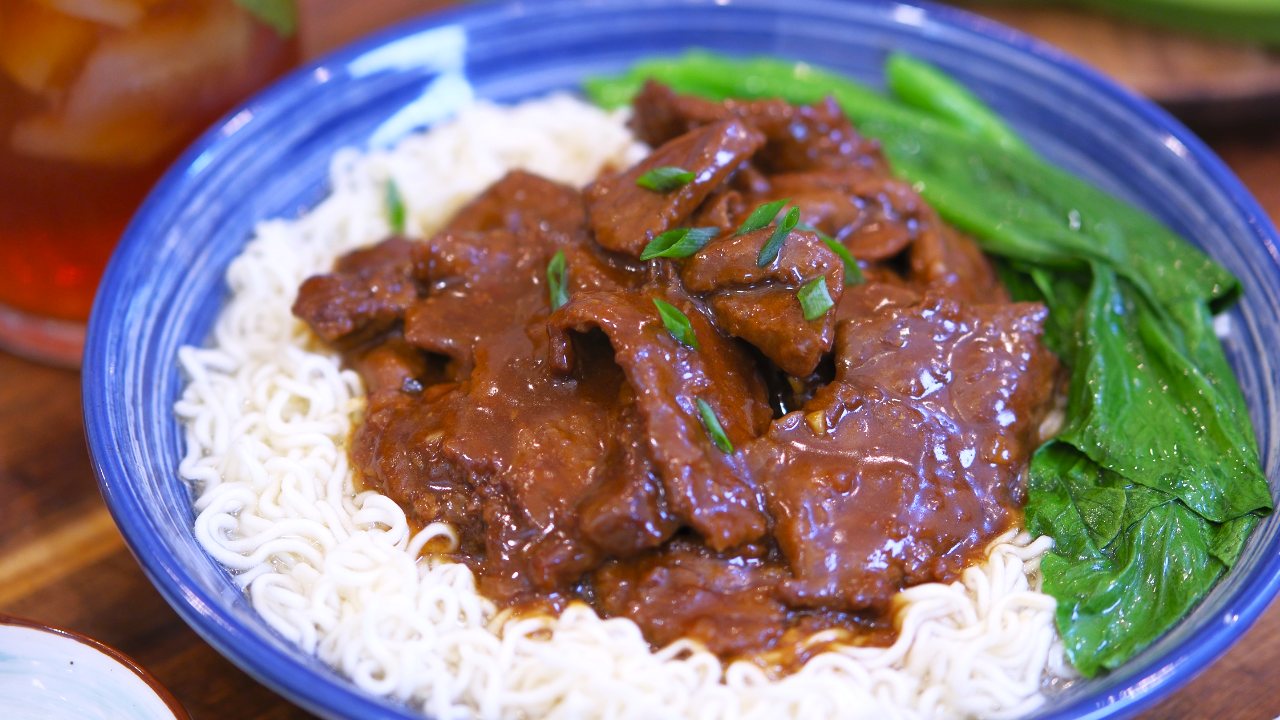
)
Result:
{"points": [[727, 603], [799, 137], [759, 304], [367, 294], [522, 202], [625, 216], [875, 216], [912, 460], [706, 488], [945, 261]]}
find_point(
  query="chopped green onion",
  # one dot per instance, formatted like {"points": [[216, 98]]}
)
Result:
{"points": [[712, 423], [770, 251], [678, 243], [852, 273], [762, 216], [665, 178], [395, 207], [555, 281], [677, 323], [814, 298]]}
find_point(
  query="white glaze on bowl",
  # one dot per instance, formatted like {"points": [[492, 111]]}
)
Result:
{"points": [[46, 675]]}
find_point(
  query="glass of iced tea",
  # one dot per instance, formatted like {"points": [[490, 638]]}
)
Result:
{"points": [[97, 97]]}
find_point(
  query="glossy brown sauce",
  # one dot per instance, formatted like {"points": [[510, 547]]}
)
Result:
{"points": [[877, 446]]}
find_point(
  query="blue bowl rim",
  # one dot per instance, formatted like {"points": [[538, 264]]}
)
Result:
{"points": [[327, 696]]}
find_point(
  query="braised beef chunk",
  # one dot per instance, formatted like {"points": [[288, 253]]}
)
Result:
{"points": [[706, 487], [907, 464], [799, 137], [945, 261], [625, 216], [522, 202], [397, 450], [367, 294], [660, 115], [686, 591], [876, 217], [721, 470], [479, 284], [760, 304]]}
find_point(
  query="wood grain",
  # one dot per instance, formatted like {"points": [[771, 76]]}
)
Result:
{"points": [[1169, 67]]}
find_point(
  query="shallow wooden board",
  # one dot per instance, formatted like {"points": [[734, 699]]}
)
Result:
{"points": [[1170, 67]]}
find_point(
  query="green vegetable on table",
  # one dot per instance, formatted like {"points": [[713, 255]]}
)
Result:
{"points": [[1154, 483], [1249, 21]]}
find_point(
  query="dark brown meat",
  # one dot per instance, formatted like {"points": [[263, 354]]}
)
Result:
{"points": [[397, 450], [367, 294], [875, 216], [625, 216], [685, 591], [480, 283], [903, 469], [522, 202], [706, 488], [945, 261], [759, 304], [394, 364], [799, 137]]}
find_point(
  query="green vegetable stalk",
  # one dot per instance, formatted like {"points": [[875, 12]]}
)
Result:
{"points": [[1250, 21], [1154, 483]]}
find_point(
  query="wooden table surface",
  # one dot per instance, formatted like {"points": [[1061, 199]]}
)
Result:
{"points": [[62, 561]]}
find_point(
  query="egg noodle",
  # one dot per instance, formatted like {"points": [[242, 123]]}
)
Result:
{"points": [[268, 413]]}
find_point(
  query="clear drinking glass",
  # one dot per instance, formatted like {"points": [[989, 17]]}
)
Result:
{"points": [[97, 97]]}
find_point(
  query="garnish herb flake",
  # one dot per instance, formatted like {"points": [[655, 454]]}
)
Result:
{"points": [[679, 243], [677, 323], [556, 281], [665, 179], [814, 298], [762, 216], [770, 251], [714, 429], [395, 207], [852, 273]]}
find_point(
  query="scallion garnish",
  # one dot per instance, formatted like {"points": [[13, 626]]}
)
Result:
{"points": [[762, 216], [665, 178], [678, 243], [814, 298], [712, 423], [677, 323], [852, 273], [555, 281], [395, 207], [770, 251]]}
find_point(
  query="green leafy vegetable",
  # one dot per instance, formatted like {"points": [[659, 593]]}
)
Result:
{"points": [[394, 207], [712, 423], [280, 15], [852, 273], [761, 217], [679, 243], [921, 85], [677, 323], [770, 251], [1154, 484], [556, 281], [665, 178], [814, 298]]}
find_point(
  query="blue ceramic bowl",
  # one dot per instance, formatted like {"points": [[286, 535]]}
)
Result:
{"points": [[268, 159]]}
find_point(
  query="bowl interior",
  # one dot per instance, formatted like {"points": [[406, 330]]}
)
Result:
{"points": [[268, 159]]}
